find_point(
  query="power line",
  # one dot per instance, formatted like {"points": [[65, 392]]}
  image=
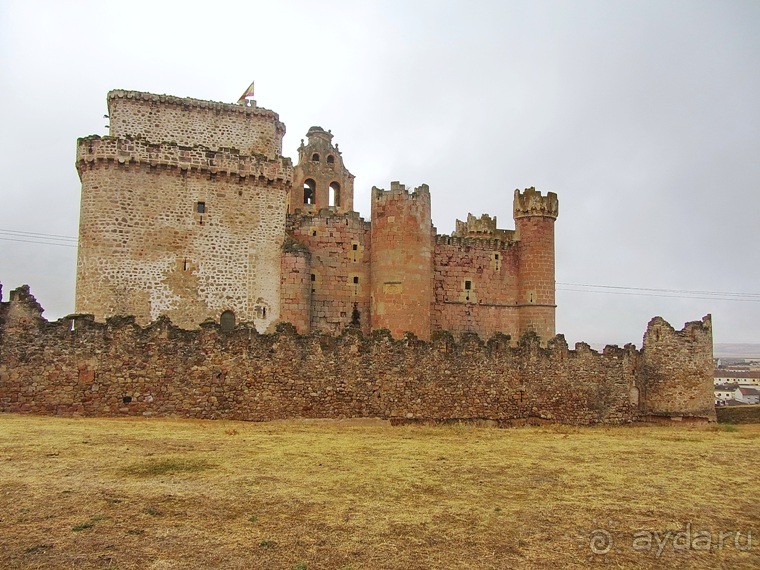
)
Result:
{"points": [[36, 235], [39, 242], [660, 290], [751, 299], [38, 238]]}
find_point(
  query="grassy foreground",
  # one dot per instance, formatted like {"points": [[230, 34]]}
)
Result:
{"points": [[165, 494]]}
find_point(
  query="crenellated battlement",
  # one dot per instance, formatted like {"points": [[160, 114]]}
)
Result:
{"points": [[191, 122], [224, 161], [531, 203], [483, 227], [189, 102], [479, 243], [422, 192], [328, 217]]}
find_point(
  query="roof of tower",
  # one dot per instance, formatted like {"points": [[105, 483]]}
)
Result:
{"points": [[319, 133]]}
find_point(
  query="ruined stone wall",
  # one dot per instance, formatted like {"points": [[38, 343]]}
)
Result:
{"points": [[673, 378], [192, 122], [147, 247], [475, 286], [339, 247], [119, 368]]}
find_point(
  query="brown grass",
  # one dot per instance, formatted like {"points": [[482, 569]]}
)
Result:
{"points": [[165, 494]]}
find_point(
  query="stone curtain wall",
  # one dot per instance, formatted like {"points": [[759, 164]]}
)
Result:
{"points": [[119, 368], [489, 305]]}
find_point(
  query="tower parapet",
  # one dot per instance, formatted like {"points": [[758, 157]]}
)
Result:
{"points": [[191, 122], [483, 227], [531, 203]]}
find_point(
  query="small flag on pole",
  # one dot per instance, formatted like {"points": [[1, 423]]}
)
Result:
{"points": [[247, 95]]}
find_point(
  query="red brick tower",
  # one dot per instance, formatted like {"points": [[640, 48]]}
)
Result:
{"points": [[402, 260], [534, 230]]}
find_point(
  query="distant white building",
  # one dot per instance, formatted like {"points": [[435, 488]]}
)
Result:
{"points": [[743, 377], [747, 395], [729, 394], [724, 393]]}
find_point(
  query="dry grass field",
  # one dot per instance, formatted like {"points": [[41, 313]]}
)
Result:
{"points": [[165, 494]]}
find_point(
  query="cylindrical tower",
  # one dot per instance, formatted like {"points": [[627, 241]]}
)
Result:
{"points": [[401, 260], [534, 230]]}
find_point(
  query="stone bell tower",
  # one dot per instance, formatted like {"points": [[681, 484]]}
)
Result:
{"points": [[320, 180]]}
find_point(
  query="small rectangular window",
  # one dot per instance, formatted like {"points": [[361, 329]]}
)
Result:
{"points": [[468, 285], [355, 247], [313, 277], [356, 279], [200, 207]]}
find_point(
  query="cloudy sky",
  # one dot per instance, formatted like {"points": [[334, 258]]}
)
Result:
{"points": [[643, 116]]}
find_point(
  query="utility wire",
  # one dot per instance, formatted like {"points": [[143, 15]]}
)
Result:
{"points": [[39, 242], [634, 294], [660, 290], [36, 235]]}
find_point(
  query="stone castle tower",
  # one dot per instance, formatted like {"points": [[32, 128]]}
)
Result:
{"points": [[183, 211], [190, 211]]}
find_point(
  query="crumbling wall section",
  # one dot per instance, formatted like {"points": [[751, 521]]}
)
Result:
{"points": [[77, 366], [677, 369]]}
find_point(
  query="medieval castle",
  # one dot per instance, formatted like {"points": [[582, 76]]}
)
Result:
{"points": [[189, 210], [203, 253]]}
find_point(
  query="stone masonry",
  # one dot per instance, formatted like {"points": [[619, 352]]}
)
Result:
{"points": [[189, 211], [76, 366]]}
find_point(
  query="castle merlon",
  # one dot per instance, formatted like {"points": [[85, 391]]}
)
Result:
{"points": [[483, 227], [187, 102], [400, 189], [486, 243], [331, 216], [531, 203], [228, 161]]}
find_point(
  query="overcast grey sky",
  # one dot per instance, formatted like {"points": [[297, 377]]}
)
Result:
{"points": [[644, 117]]}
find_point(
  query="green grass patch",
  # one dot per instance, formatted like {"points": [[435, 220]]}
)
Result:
{"points": [[81, 527]]}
